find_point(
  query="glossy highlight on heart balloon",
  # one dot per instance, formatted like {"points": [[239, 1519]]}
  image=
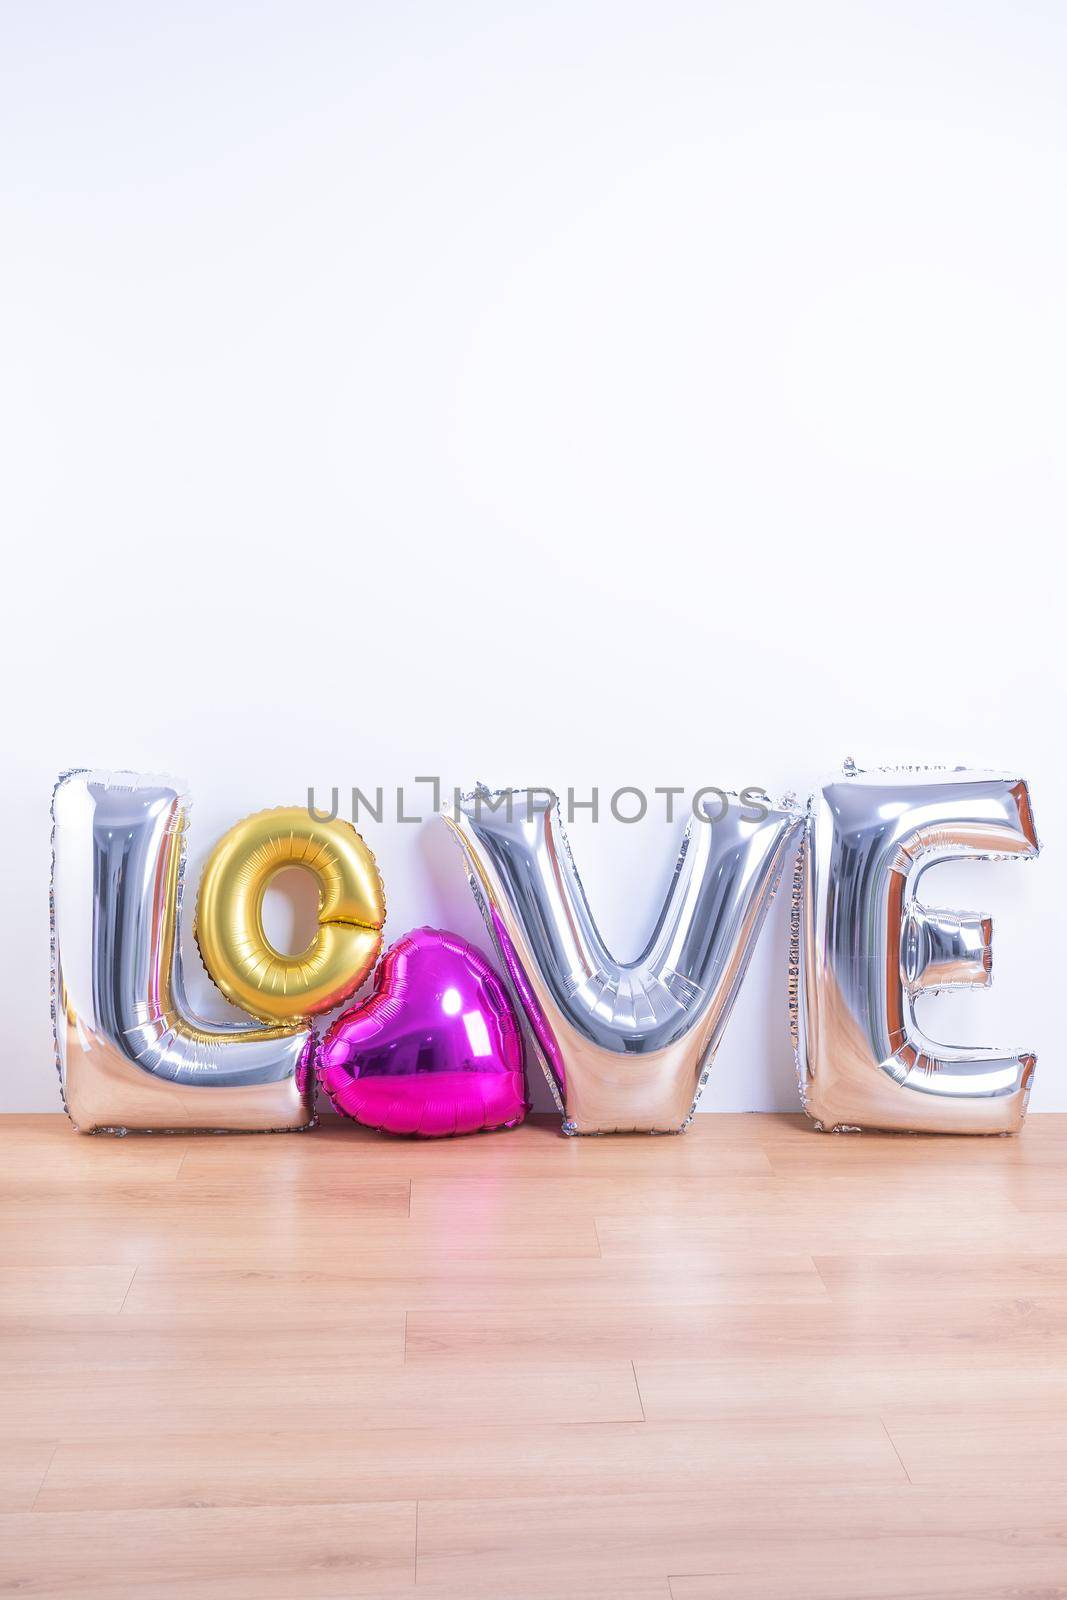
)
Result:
{"points": [[436, 1050]]}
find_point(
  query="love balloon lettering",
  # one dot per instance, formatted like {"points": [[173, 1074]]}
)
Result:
{"points": [[437, 1047]]}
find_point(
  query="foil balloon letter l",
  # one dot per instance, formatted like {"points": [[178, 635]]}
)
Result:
{"points": [[627, 1047], [131, 1054], [864, 949]]}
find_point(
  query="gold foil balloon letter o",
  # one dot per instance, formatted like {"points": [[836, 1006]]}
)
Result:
{"points": [[229, 914]]}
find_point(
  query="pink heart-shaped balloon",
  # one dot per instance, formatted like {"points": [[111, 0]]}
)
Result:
{"points": [[437, 1048]]}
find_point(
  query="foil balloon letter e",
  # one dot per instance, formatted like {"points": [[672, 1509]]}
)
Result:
{"points": [[627, 1047], [130, 1052], [864, 948]]}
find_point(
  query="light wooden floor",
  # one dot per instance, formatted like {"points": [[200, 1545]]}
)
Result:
{"points": [[750, 1362]]}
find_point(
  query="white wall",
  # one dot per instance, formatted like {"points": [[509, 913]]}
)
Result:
{"points": [[572, 393]]}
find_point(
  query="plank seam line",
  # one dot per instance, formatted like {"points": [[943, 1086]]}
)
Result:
{"points": [[896, 1452], [44, 1476], [637, 1386]]}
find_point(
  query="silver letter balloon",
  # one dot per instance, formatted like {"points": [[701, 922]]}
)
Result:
{"points": [[864, 949], [627, 1047], [131, 1054]]}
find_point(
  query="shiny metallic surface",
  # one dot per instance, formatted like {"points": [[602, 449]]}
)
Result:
{"points": [[228, 925], [627, 1046], [945, 950], [435, 1051], [864, 949], [131, 1054]]}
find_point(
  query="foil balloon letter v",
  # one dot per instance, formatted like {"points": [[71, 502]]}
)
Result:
{"points": [[627, 1047]]}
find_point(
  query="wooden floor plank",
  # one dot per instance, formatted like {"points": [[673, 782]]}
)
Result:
{"points": [[114, 1195], [40, 1149], [774, 1544], [458, 1199], [990, 1442], [288, 1231], [868, 1224], [907, 1157], [25, 1291], [615, 1586], [943, 1277], [113, 1403], [42, 1349], [901, 1568], [210, 1554], [328, 1281], [847, 1380], [702, 1196], [329, 1241], [823, 1331], [157, 1470]]}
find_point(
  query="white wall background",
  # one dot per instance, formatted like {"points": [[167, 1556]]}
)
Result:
{"points": [[573, 393]]}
